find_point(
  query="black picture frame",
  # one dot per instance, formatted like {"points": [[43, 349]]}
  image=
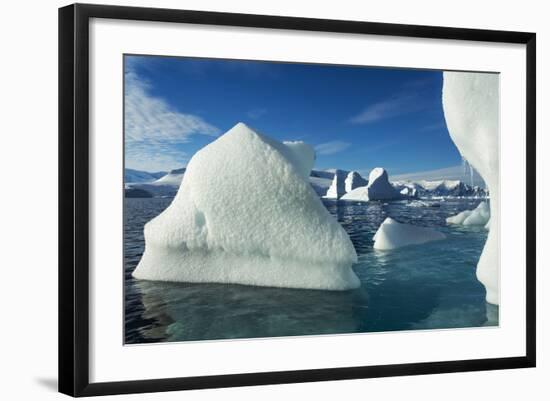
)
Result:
{"points": [[74, 200]]}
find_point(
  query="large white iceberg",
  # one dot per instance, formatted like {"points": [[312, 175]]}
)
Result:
{"points": [[338, 186], [478, 217], [246, 214], [471, 107], [392, 235], [379, 188], [354, 180]]}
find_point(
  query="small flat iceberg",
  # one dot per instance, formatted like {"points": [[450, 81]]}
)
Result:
{"points": [[245, 213], [480, 216], [392, 235]]}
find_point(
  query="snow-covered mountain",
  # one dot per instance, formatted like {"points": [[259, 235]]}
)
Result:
{"points": [[174, 178], [461, 172], [321, 180], [134, 176], [156, 185], [427, 189], [327, 174]]}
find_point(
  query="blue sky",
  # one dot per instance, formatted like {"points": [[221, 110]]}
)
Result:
{"points": [[357, 118]]}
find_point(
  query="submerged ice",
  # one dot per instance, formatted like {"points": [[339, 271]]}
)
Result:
{"points": [[246, 214], [480, 216]]}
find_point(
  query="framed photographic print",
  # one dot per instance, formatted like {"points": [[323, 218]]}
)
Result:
{"points": [[250, 199]]}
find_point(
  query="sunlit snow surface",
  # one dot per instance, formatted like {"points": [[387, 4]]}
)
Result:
{"points": [[428, 286], [246, 214], [471, 108]]}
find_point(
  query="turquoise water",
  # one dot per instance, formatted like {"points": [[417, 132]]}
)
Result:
{"points": [[429, 286]]}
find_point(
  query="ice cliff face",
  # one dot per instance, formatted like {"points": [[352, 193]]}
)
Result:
{"points": [[338, 186], [379, 187], [471, 107], [245, 213], [354, 180]]}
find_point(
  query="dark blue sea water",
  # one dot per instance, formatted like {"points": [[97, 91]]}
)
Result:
{"points": [[428, 286]]}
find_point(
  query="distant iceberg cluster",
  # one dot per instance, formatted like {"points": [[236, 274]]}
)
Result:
{"points": [[353, 187], [246, 214], [329, 184]]}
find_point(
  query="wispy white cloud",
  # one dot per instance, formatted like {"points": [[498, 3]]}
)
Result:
{"points": [[152, 118], [388, 108], [329, 148], [153, 128]]}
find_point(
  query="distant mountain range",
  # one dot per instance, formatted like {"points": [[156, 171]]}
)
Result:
{"points": [[143, 184], [455, 173], [135, 176], [428, 189]]}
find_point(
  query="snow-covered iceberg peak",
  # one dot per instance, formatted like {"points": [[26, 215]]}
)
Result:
{"points": [[338, 187], [471, 107], [245, 214], [379, 188], [354, 180], [392, 235], [378, 173]]}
